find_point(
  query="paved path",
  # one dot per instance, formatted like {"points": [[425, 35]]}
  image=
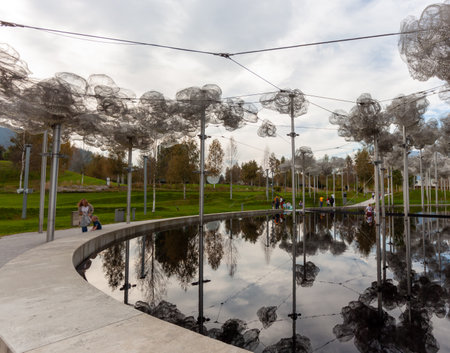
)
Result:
{"points": [[13, 245], [47, 307]]}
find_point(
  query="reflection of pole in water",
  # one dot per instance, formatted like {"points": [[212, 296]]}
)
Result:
{"points": [[143, 257], [423, 247], [127, 268], [294, 314]]}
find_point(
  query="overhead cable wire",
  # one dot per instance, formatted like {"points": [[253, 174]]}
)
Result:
{"points": [[254, 73], [225, 55], [115, 40], [324, 42]]}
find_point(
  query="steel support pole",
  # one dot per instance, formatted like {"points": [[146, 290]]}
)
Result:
{"points": [[383, 220], [129, 170], [202, 137], [145, 184], [42, 186], [294, 215], [436, 180], [422, 196], [377, 223], [56, 145], [25, 182], [272, 184]]}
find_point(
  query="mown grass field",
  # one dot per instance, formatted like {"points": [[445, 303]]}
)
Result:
{"points": [[169, 201]]}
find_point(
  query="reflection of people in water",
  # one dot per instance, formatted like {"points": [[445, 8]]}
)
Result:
{"points": [[278, 218], [369, 213]]}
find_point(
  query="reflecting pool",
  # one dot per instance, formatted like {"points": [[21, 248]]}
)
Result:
{"points": [[267, 292]]}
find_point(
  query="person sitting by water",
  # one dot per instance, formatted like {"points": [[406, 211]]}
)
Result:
{"points": [[96, 225], [369, 210]]}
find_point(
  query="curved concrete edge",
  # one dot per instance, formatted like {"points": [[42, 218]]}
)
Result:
{"points": [[46, 306]]}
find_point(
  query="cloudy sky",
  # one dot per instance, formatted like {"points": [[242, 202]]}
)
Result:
{"points": [[342, 71]]}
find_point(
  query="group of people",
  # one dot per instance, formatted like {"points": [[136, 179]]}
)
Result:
{"points": [[330, 201], [85, 211], [279, 203]]}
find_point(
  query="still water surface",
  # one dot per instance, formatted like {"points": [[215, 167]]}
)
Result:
{"points": [[248, 286]]}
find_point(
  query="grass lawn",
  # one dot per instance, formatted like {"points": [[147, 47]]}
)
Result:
{"points": [[169, 201]]}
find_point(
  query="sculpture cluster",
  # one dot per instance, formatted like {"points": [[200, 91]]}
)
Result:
{"points": [[106, 115]]}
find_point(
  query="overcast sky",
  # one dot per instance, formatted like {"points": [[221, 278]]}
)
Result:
{"points": [[343, 70]]}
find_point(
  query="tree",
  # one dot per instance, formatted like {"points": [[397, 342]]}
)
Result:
{"points": [[348, 168], [183, 162], [234, 173], [214, 163], [249, 172], [117, 162], [232, 158], [363, 165], [274, 165]]}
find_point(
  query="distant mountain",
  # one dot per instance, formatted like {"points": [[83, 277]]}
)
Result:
{"points": [[5, 135]]}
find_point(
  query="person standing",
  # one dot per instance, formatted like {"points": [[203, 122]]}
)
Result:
{"points": [[85, 210], [321, 201]]}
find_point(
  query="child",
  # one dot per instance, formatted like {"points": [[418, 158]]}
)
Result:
{"points": [[96, 223]]}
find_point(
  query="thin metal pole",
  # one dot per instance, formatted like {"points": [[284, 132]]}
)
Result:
{"points": [[436, 184], [202, 137], [392, 185], [129, 170], [25, 182], [53, 183], [154, 178], [334, 188], [272, 184], [377, 223], [43, 177], [422, 197], [406, 212], [145, 184], [294, 216], [383, 220], [267, 184]]}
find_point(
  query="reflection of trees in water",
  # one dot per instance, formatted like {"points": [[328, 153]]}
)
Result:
{"points": [[233, 228], [177, 252], [251, 228], [366, 237], [113, 263], [214, 248], [152, 281]]}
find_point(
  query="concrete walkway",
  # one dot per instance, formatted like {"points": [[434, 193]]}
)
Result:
{"points": [[46, 306]]}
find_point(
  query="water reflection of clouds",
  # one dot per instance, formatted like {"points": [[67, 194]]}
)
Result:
{"points": [[257, 282]]}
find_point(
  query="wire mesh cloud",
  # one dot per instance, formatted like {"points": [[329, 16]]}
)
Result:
{"points": [[14, 72], [234, 113], [426, 134], [267, 129], [193, 101], [426, 51], [281, 102], [364, 122], [408, 110]]}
